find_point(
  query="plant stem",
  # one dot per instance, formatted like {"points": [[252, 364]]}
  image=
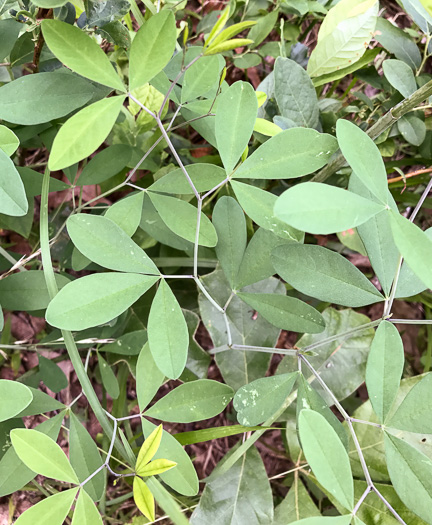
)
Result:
{"points": [[387, 120]]}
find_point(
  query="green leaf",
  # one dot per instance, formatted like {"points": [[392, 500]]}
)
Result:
{"points": [[409, 472], [105, 164], [412, 129], [263, 27], [247, 496], [259, 400], [200, 78], [230, 31], [234, 122], [208, 434], [293, 153], [109, 379], [398, 42], [127, 212], [267, 128], [41, 97], [325, 520], [287, 313], [15, 398], [80, 53], [96, 299], [327, 456], [9, 142], [400, 76], [228, 45], [52, 510], [52, 375], [308, 397], [85, 512], [323, 274], [181, 218], [158, 466], [127, 344], [295, 93], [413, 413], [377, 238], [40, 404], [409, 284], [193, 401], [83, 133], [143, 498], [384, 368], [204, 176], [222, 19], [85, 459], [183, 479], [296, 505], [105, 243], [259, 205], [343, 40], [230, 225], [322, 209], [13, 200], [414, 245], [9, 29], [103, 13], [148, 377], [27, 291], [152, 48], [42, 455], [364, 158], [148, 449], [168, 336]]}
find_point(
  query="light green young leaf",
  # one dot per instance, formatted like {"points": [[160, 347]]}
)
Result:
{"points": [[127, 212], [52, 510], [168, 335], [377, 238], [217, 28], [41, 97], [181, 218], [325, 520], [230, 225], [414, 245], [409, 284], [15, 398], [344, 40], [13, 200], [204, 176], [231, 31], [42, 455], [148, 377], [292, 153], [192, 401], [152, 48], [85, 458], [267, 128], [234, 122], [96, 299], [79, 52], [364, 158], [327, 456], [323, 274], [228, 45], [183, 479], [259, 205], [200, 78], [105, 243], [148, 449], [143, 498], [322, 209], [308, 397], [85, 512], [384, 368], [208, 434], [247, 496], [83, 133], [295, 93], [400, 76], [287, 313], [109, 380], [409, 471], [158, 466], [259, 400], [414, 414], [9, 142]]}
